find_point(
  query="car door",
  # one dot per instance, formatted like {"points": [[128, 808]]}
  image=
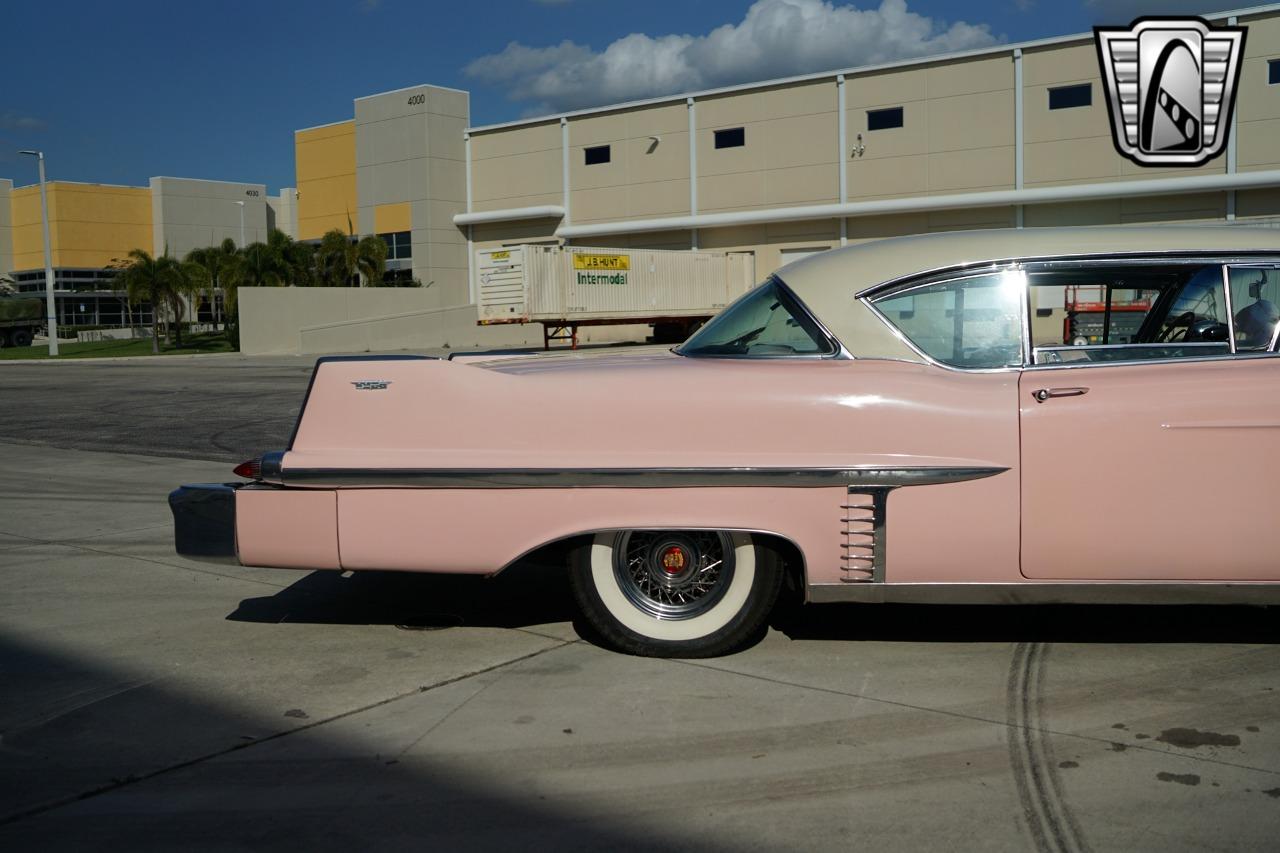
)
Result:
{"points": [[1154, 457]]}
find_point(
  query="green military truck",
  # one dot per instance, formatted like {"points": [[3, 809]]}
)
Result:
{"points": [[20, 319]]}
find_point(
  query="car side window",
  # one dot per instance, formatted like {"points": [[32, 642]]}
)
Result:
{"points": [[973, 322], [1255, 293], [768, 322], [1127, 312]]}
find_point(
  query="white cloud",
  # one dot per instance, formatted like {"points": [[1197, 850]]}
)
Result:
{"points": [[776, 38], [16, 121], [1121, 12]]}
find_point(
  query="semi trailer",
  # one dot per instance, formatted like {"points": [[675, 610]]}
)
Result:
{"points": [[567, 287]]}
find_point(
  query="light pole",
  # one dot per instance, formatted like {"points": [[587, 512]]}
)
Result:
{"points": [[51, 306], [241, 204]]}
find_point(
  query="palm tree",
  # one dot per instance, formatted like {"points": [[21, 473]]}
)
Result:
{"points": [[342, 258], [163, 282], [256, 265], [297, 260], [216, 262]]}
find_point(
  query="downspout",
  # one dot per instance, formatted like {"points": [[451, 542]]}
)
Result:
{"points": [[1017, 132], [471, 246], [693, 169], [564, 170], [842, 122]]}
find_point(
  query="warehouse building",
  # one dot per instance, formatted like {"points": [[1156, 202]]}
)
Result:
{"points": [[1004, 137], [92, 225]]}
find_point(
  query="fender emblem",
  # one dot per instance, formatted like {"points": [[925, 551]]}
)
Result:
{"points": [[371, 384]]}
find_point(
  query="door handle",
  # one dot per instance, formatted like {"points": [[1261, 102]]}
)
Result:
{"points": [[1045, 393]]}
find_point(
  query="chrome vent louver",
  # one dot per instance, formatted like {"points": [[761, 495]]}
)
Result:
{"points": [[862, 525]]}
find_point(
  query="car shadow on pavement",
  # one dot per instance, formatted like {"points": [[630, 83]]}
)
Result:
{"points": [[1078, 623], [104, 757], [523, 596]]}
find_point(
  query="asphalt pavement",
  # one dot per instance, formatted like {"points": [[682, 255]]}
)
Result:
{"points": [[153, 703]]}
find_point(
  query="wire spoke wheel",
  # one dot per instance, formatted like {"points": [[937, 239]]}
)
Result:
{"points": [[673, 575], [675, 593]]}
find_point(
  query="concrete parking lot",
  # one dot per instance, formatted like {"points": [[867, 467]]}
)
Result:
{"points": [[149, 702]]}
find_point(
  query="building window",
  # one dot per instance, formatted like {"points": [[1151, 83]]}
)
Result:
{"points": [[398, 245], [597, 154], [398, 278], [884, 119], [1067, 97], [1273, 71], [733, 137]]}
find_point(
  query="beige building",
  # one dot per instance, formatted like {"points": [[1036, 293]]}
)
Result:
{"points": [[999, 138], [1006, 137], [1014, 136]]}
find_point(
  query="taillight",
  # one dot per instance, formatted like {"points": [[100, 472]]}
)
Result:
{"points": [[251, 470]]}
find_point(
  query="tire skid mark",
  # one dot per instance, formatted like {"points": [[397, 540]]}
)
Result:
{"points": [[1052, 826]]}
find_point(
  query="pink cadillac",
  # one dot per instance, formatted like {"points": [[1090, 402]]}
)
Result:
{"points": [[1040, 415]]}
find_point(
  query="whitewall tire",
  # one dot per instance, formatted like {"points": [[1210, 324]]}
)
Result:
{"points": [[668, 593]]}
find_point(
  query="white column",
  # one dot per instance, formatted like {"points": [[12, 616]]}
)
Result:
{"points": [[471, 246], [564, 168], [693, 168], [842, 123], [1017, 130]]}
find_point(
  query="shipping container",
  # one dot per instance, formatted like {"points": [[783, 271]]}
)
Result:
{"points": [[564, 287]]}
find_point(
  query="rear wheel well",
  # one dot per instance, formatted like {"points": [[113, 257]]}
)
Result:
{"points": [[788, 552], [793, 573], [552, 553]]}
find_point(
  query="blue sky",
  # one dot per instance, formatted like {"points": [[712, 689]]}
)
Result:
{"points": [[118, 92]]}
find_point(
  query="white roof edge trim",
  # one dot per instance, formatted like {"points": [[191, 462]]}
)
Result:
{"points": [[326, 124], [209, 181], [52, 181], [861, 69], [511, 214], [414, 86], [919, 204]]}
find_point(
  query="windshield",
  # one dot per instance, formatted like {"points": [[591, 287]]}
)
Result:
{"points": [[766, 323]]}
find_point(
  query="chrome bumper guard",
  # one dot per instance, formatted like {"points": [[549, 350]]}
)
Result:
{"points": [[204, 521]]}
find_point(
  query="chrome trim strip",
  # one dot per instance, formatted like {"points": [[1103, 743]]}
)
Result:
{"points": [[1125, 592], [1231, 311], [1137, 362], [1147, 344], [630, 478]]}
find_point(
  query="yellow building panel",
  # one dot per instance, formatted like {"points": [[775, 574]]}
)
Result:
{"points": [[391, 218], [326, 172], [90, 225]]}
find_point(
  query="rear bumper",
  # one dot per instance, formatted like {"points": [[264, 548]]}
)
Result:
{"points": [[204, 521]]}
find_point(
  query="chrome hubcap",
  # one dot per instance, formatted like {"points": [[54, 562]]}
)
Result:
{"points": [[673, 575]]}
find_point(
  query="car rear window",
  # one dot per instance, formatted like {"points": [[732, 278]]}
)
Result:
{"points": [[768, 322]]}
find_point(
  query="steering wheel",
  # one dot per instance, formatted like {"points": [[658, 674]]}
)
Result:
{"points": [[1180, 325]]}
